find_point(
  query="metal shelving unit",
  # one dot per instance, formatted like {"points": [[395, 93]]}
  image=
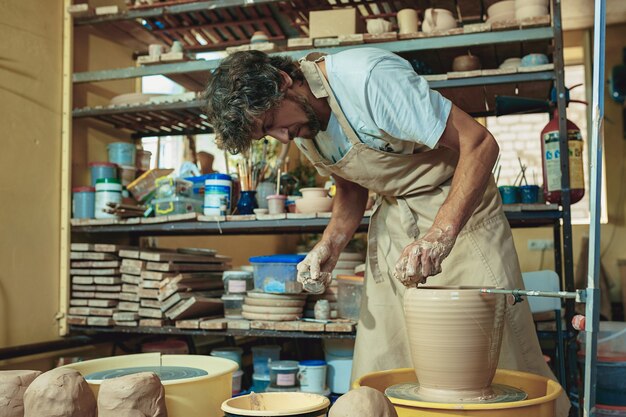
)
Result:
{"points": [[537, 84]]}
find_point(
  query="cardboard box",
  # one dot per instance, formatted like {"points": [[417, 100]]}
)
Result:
{"points": [[335, 22]]}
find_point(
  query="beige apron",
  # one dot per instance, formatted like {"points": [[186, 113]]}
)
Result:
{"points": [[411, 190]]}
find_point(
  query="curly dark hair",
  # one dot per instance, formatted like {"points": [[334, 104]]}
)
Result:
{"points": [[244, 86]]}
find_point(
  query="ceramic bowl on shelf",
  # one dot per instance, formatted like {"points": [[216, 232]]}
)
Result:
{"points": [[258, 211], [466, 63], [527, 12], [378, 26], [313, 192], [314, 205], [511, 63], [532, 60], [501, 8]]}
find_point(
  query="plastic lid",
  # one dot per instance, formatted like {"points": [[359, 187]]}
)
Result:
{"points": [[313, 362], [107, 181], [353, 278], [238, 274], [284, 365], [83, 189], [218, 176], [102, 164], [283, 259], [199, 179], [232, 297]]}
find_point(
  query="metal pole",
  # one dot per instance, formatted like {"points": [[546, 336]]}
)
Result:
{"points": [[593, 274]]}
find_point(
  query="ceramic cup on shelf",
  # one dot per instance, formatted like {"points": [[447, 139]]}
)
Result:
{"points": [[438, 20], [378, 26], [407, 21], [276, 203]]}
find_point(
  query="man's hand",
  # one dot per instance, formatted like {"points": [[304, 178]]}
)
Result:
{"points": [[422, 258], [318, 264]]}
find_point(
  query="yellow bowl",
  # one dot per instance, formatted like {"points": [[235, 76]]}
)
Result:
{"points": [[541, 402], [276, 404], [190, 397]]}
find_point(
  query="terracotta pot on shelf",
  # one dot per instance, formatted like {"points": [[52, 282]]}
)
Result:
{"points": [[467, 62], [455, 335]]}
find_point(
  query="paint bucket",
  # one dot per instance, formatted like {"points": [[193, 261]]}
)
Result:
{"points": [[232, 353], [283, 374], [296, 404], [260, 383], [102, 170], [338, 354], [529, 194], [108, 190], [261, 356], [217, 191], [237, 377], [121, 153], [312, 376], [83, 202], [509, 194]]}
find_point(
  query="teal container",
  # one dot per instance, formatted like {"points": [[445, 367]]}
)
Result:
{"points": [[232, 353], [529, 194], [102, 170], [510, 194], [122, 153], [83, 202]]}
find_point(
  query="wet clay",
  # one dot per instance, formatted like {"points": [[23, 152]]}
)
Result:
{"points": [[455, 336], [363, 401], [61, 392], [136, 395], [13, 384]]}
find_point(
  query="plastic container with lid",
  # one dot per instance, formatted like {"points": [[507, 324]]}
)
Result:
{"points": [[232, 353], [168, 187], [102, 170], [233, 305], [83, 202], [338, 354], [218, 191], [312, 376], [277, 273], [349, 293], [176, 205], [283, 374], [261, 356], [260, 383], [238, 282], [198, 186], [122, 153], [108, 190]]}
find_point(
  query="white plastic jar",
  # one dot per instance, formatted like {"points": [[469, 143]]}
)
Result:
{"points": [[217, 188], [108, 190]]}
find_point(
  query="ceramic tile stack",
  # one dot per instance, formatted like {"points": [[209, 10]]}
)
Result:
{"points": [[178, 285], [96, 284], [128, 314]]}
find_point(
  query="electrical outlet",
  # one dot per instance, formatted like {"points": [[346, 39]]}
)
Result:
{"points": [[540, 244]]}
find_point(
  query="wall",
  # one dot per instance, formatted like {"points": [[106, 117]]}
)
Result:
{"points": [[613, 234], [30, 109]]}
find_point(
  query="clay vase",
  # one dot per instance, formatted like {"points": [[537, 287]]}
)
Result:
{"points": [[455, 335], [407, 21]]}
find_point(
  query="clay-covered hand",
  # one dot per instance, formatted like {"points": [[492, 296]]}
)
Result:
{"points": [[318, 264], [422, 258]]}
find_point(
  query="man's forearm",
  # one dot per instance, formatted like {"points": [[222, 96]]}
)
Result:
{"points": [[348, 208], [468, 185]]}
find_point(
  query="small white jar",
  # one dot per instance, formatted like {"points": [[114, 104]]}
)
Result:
{"points": [[108, 190]]}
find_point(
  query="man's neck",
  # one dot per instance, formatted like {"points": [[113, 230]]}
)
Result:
{"points": [[320, 105]]}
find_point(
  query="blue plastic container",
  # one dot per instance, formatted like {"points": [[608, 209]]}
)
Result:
{"points": [[122, 153], [198, 186], [529, 194], [262, 356], [102, 170], [277, 273], [510, 194], [83, 202]]}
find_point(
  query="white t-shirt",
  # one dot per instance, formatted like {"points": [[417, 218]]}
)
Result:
{"points": [[379, 91]]}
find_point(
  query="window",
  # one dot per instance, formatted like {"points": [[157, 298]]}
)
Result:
{"points": [[519, 136]]}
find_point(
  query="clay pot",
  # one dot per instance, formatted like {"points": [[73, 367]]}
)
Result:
{"points": [[314, 205], [438, 20], [466, 63], [313, 192], [407, 21], [455, 335], [378, 26]]}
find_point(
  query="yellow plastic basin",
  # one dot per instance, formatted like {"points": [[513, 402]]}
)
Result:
{"points": [[541, 402], [274, 404], [190, 397]]}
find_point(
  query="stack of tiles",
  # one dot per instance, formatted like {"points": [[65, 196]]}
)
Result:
{"points": [[128, 314], [96, 284]]}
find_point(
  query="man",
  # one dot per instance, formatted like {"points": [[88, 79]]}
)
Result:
{"points": [[366, 118]]}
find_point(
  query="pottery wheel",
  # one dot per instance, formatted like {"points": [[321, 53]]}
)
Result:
{"points": [[165, 373], [410, 392]]}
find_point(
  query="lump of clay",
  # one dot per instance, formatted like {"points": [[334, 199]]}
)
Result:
{"points": [[363, 401], [135, 395], [61, 392], [12, 387]]}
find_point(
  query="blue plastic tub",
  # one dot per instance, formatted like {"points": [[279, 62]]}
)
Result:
{"points": [[277, 273], [122, 153], [102, 170], [198, 186], [83, 202]]}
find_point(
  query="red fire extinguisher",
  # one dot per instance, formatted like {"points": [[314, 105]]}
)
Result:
{"points": [[550, 150]]}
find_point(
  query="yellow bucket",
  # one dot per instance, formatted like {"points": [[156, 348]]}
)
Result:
{"points": [[200, 396], [541, 402]]}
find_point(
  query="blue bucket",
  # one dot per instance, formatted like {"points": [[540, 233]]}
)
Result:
{"points": [[122, 153]]}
